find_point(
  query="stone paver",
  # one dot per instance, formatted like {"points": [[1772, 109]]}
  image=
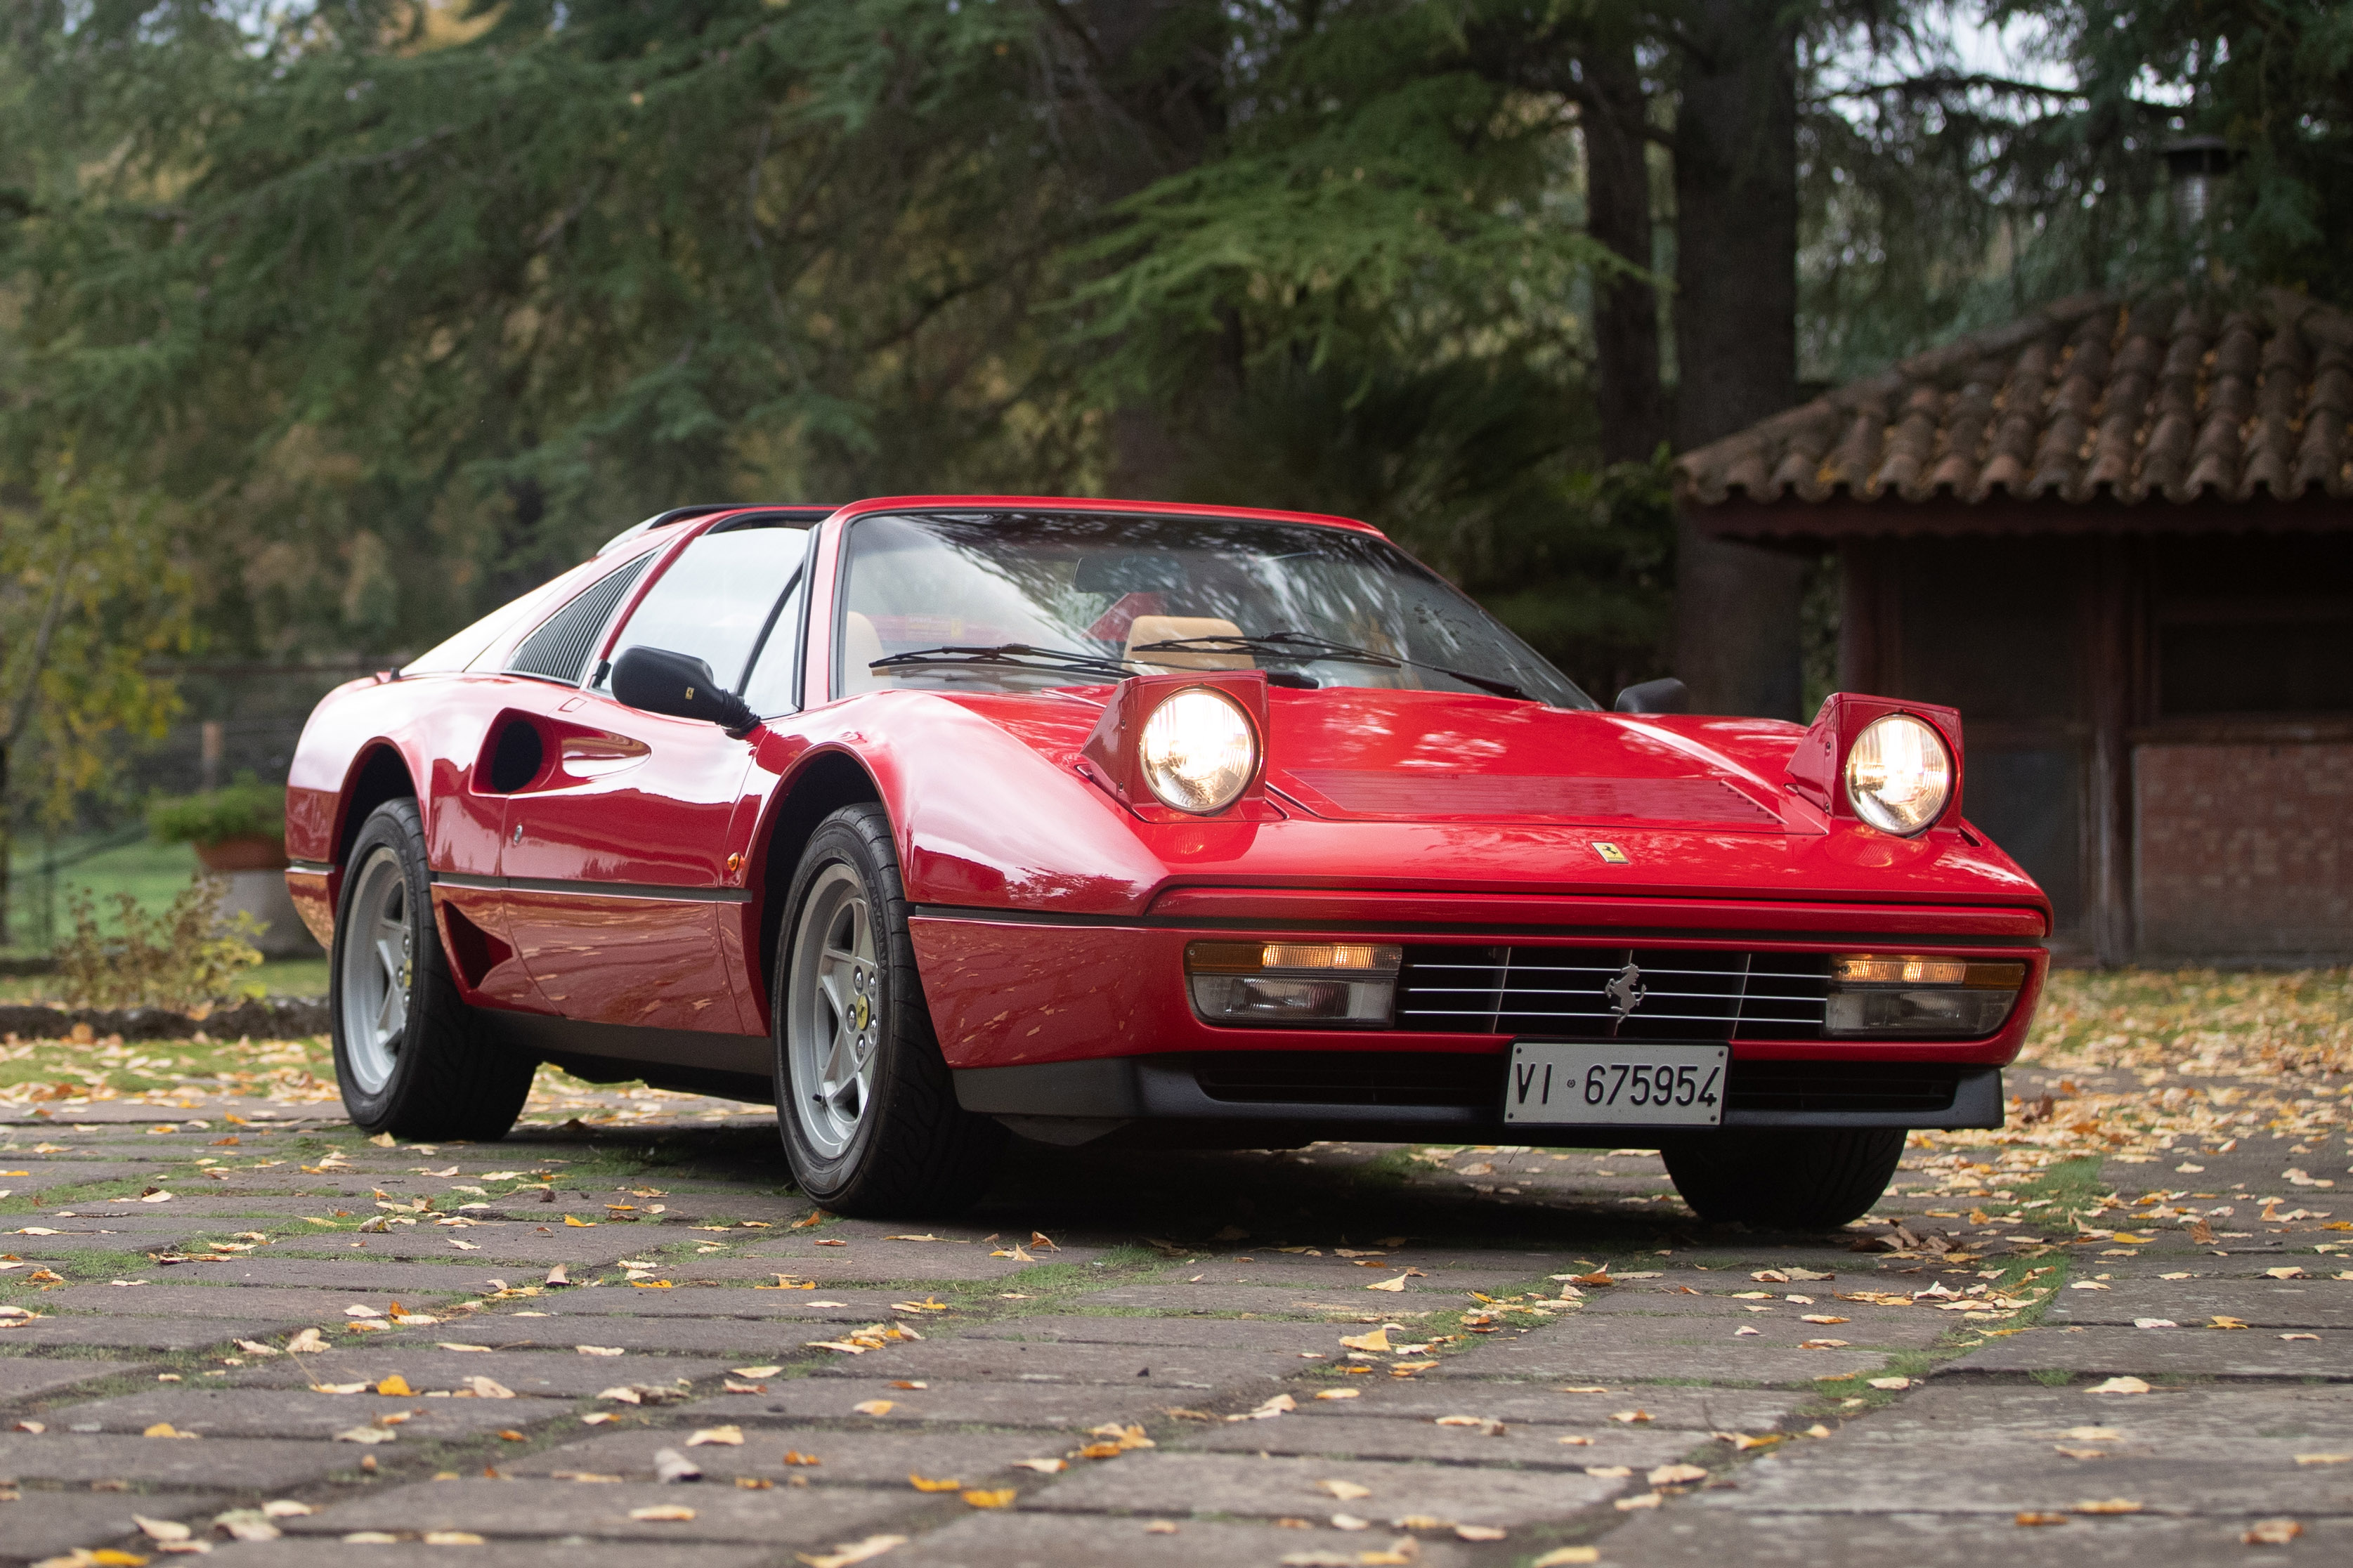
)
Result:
{"points": [[1186, 1484], [299, 1412], [219, 1464], [1032, 1539], [23, 1378], [44, 1523], [1158, 1361], [2197, 1352], [789, 1516], [558, 1373]]}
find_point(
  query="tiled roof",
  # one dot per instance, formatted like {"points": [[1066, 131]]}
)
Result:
{"points": [[2094, 397]]}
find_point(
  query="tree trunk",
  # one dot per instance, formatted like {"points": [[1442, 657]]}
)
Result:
{"points": [[1736, 320], [1613, 112]]}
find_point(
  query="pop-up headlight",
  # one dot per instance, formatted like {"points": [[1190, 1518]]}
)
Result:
{"points": [[1895, 994], [1332, 983]]}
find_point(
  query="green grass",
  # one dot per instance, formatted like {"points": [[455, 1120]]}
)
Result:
{"points": [[150, 872]]}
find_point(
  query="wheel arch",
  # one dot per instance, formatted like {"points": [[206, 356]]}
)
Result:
{"points": [[380, 775], [821, 785]]}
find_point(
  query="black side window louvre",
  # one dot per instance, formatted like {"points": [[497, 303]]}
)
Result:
{"points": [[558, 650]]}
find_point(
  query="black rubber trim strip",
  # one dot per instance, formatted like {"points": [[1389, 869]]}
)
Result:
{"points": [[594, 889], [1622, 935]]}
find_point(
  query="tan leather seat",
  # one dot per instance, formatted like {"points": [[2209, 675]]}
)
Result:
{"points": [[1146, 629], [861, 644]]}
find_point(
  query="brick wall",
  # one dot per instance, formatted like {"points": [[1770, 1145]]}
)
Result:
{"points": [[2244, 851]]}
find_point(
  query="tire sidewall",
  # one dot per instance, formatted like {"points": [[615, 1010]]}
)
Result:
{"points": [[838, 842], [393, 826]]}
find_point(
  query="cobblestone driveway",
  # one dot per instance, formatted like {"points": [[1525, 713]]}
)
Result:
{"points": [[1340, 1356]]}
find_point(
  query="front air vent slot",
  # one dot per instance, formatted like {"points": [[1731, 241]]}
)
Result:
{"points": [[558, 649]]}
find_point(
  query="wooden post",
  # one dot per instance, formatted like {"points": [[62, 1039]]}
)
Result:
{"points": [[2114, 670]]}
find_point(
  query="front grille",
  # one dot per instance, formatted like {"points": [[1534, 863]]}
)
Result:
{"points": [[1352, 1078], [1613, 993]]}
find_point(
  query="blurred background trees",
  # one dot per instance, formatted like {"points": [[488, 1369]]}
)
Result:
{"points": [[391, 308]]}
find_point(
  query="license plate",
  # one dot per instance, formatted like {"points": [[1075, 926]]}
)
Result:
{"points": [[1604, 1084]]}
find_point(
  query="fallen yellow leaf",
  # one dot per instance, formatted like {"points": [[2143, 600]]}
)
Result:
{"points": [[2035, 1516], [396, 1387], [927, 1484], [1001, 1497], [2271, 1532], [843, 1556], [667, 1512], [2109, 1505], [1378, 1340], [874, 1407]]}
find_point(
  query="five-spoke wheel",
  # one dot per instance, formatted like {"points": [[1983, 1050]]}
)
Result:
{"points": [[410, 1057], [376, 969], [866, 1104], [835, 1020]]}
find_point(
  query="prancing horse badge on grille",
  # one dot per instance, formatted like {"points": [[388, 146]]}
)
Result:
{"points": [[1625, 993]]}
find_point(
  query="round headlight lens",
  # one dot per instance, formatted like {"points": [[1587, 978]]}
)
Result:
{"points": [[1899, 775], [1199, 752]]}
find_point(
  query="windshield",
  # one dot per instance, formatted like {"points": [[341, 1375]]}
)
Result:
{"points": [[992, 601]]}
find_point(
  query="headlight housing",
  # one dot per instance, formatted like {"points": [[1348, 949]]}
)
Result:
{"points": [[1890, 994], [1336, 984], [1899, 774], [1197, 752]]}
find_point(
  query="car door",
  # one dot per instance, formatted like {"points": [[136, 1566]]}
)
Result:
{"points": [[617, 887]]}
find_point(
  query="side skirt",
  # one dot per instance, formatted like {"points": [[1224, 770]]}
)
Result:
{"points": [[690, 1061]]}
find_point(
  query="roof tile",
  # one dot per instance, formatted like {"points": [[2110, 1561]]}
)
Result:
{"points": [[2096, 395]]}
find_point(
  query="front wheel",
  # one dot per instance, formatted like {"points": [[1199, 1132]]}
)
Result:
{"points": [[864, 1099], [412, 1060], [1785, 1181]]}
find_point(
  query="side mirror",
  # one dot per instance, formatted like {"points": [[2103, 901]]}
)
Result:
{"points": [[1667, 696], [658, 681]]}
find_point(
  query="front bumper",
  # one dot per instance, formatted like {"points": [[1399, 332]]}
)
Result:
{"points": [[1271, 1099], [1069, 1029]]}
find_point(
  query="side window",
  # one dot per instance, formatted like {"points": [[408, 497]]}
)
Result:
{"points": [[772, 687], [558, 650], [715, 600]]}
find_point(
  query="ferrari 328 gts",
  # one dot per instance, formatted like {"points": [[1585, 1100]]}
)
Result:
{"points": [[936, 820]]}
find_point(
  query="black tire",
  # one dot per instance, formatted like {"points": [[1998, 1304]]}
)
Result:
{"points": [[435, 1072], [906, 1147], [1785, 1181]]}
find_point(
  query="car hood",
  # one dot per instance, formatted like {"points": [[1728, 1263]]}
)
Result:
{"points": [[1408, 790]]}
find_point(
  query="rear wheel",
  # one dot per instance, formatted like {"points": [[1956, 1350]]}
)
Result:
{"points": [[1785, 1181], [864, 1099], [412, 1060]]}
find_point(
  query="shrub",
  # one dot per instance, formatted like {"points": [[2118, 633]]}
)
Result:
{"points": [[183, 959], [245, 809]]}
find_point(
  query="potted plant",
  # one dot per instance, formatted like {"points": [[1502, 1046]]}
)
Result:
{"points": [[240, 828]]}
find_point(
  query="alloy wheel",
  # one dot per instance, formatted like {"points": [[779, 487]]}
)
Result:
{"points": [[833, 1024]]}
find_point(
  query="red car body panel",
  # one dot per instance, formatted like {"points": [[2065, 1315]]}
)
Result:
{"points": [[628, 882]]}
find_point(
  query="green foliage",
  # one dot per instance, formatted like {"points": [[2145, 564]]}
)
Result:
{"points": [[92, 590], [245, 809], [183, 958]]}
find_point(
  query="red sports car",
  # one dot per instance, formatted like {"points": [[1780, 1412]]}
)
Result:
{"points": [[930, 818]]}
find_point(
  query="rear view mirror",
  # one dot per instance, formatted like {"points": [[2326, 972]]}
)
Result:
{"points": [[657, 681], [1667, 696]]}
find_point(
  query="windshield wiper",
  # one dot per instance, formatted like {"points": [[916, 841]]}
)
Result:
{"points": [[1008, 654], [1302, 647]]}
